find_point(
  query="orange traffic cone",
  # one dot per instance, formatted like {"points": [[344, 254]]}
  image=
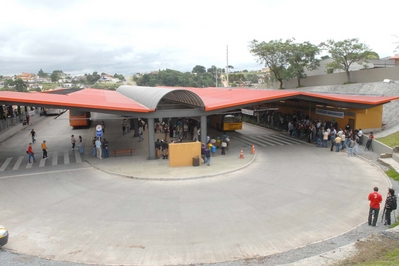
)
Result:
{"points": [[253, 149], [241, 154]]}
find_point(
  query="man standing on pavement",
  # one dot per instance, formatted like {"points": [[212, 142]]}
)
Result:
{"points": [[105, 148], [73, 141], [33, 134], [30, 153], [98, 148], [141, 133], [44, 149], [375, 199]]}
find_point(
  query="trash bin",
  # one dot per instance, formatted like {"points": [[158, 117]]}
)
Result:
{"points": [[196, 161]]}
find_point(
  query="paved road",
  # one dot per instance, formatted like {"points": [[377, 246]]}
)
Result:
{"points": [[290, 196]]}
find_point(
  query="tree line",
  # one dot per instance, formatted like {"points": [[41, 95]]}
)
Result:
{"points": [[19, 85], [287, 59]]}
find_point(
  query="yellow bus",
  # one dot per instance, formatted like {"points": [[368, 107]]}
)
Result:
{"points": [[79, 118], [226, 122]]}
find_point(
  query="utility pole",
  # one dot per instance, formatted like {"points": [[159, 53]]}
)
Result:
{"points": [[227, 66]]}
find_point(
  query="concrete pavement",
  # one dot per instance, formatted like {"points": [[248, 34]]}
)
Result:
{"points": [[235, 216]]}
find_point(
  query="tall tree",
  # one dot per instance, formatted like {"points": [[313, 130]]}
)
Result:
{"points": [[20, 85], [199, 69], [56, 75], [274, 54], [42, 74], [301, 56], [345, 53]]}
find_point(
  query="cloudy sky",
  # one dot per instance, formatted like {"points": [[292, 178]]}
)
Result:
{"points": [[126, 37]]}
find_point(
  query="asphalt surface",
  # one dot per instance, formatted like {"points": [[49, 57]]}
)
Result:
{"points": [[121, 210]]}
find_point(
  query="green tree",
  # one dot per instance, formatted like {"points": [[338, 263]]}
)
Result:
{"points": [[199, 69], [301, 56], [274, 55], [92, 78], [120, 77], [42, 74], [56, 75], [345, 53], [20, 85]]}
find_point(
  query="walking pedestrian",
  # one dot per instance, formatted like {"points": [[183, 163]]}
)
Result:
{"points": [[390, 205], [44, 149], [141, 133], [30, 153], [33, 134], [98, 148], [375, 199], [105, 148], [80, 144], [73, 141]]}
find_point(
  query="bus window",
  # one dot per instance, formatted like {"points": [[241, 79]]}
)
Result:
{"points": [[79, 118]]}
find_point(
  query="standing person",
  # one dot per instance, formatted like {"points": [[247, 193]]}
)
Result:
{"points": [[337, 143], [360, 134], [124, 128], [357, 143], [165, 149], [80, 144], [44, 149], [103, 126], [94, 146], [33, 134], [158, 149], [166, 131], [375, 199], [141, 133], [351, 145], [30, 153], [73, 142], [98, 148], [105, 148], [325, 139], [223, 146], [27, 119], [207, 152], [390, 205]]}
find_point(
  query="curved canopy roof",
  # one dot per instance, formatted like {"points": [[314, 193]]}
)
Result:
{"points": [[152, 96], [135, 99]]}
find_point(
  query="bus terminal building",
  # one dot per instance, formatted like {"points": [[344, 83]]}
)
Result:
{"points": [[152, 103]]}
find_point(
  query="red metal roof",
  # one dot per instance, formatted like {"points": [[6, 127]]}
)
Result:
{"points": [[86, 98], [219, 98], [213, 98]]}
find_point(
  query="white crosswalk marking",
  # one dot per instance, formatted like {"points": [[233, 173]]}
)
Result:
{"points": [[267, 140], [42, 162], [77, 156], [18, 163], [55, 158], [66, 156], [5, 164], [29, 165]]}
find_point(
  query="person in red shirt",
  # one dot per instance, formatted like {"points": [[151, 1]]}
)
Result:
{"points": [[30, 153], [375, 199]]}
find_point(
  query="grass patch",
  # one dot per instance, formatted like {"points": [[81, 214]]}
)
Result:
{"points": [[391, 140], [49, 86], [391, 173]]}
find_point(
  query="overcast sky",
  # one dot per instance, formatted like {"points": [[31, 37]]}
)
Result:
{"points": [[126, 37]]}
